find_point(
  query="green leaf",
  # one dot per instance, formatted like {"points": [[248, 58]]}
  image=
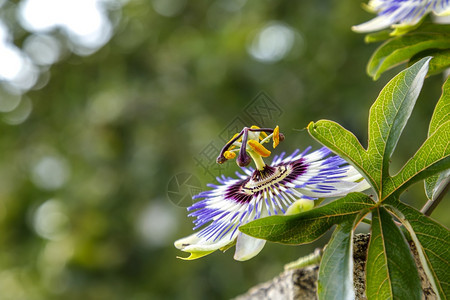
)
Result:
{"points": [[345, 144], [436, 183], [441, 115], [431, 158], [390, 271], [387, 118], [432, 241], [377, 36], [439, 62], [390, 112], [310, 225], [405, 28], [425, 27], [336, 267], [400, 49], [429, 27], [441, 112]]}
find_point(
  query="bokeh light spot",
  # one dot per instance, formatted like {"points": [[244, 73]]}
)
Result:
{"points": [[84, 21], [43, 49], [106, 106], [168, 8], [20, 113], [156, 224], [8, 101], [50, 172], [272, 43], [50, 220]]}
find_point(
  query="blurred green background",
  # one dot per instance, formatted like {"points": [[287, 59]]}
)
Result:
{"points": [[103, 144]]}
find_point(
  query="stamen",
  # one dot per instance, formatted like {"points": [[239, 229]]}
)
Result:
{"points": [[263, 134], [276, 137], [258, 148], [234, 136], [266, 130], [221, 159], [250, 136], [229, 155]]}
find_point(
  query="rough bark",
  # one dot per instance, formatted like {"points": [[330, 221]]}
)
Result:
{"points": [[302, 283]]}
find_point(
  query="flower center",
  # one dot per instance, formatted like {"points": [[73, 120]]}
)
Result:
{"points": [[265, 178]]}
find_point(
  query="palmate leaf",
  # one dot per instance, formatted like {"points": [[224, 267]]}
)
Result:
{"points": [[402, 48], [391, 271], [387, 119], [308, 226], [432, 241]]}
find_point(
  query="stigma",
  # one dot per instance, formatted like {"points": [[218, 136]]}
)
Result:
{"points": [[248, 145]]}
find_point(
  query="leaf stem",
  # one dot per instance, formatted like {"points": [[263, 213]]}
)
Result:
{"points": [[428, 208], [308, 260]]}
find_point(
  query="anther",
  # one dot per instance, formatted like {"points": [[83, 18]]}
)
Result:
{"points": [[229, 155], [258, 148], [276, 137]]}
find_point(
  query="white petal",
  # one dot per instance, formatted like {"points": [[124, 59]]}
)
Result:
{"points": [[247, 247], [375, 24], [186, 241], [342, 189], [194, 243], [442, 11]]}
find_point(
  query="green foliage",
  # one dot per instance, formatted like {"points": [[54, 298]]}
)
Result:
{"points": [[377, 36], [387, 119], [391, 272], [433, 244], [440, 116], [427, 40], [336, 268], [439, 62], [310, 225]]}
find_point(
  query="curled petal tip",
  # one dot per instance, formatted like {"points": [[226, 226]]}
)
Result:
{"points": [[195, 255]]}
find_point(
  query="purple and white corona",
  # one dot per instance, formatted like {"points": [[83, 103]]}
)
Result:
{"points": [[288, 185], [397, 13]]}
